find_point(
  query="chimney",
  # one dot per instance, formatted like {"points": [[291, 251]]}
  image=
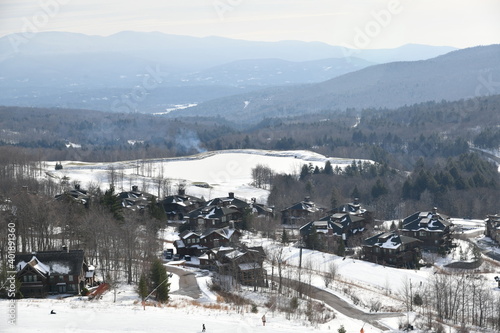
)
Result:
{"points": [[65, 248], [434, 211], [356, 201], [231, 195], [307, 199], [25, 189], [135, 188], [77, 187], [182, 191]]}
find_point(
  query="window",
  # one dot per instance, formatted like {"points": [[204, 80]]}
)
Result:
{"points": [[70, 277], [422, 233], [29, 278]]}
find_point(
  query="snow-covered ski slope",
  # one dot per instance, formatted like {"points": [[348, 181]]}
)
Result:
{"points": [[223, 171]]}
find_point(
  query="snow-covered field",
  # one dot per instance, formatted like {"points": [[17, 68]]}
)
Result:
{"points": [[225, 171], [126, 315]]}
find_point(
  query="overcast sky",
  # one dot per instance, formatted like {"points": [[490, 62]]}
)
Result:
{"points": [[351, 23]]}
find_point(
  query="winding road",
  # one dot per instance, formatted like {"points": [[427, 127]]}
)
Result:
{"points": [[339, 304], [188, 286]]}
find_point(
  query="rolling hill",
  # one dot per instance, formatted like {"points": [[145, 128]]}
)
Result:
{"points": [[457, 75], [60, 69]]}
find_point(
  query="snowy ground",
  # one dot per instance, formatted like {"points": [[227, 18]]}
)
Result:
{"points": [[364, 280], [76, 314], [225, 171]]}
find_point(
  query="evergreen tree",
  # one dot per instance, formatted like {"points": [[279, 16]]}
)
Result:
{"points": [[341, 329], [312, 240], [246, 219], [328, 170], [355, 192], [142, 288], [156, 211], [393, 226], [304, 172], [112, 202], [159, 279], [335, 198]]}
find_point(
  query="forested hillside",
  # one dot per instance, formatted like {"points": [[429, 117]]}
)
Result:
{"points": [[431, 140], [459, 74]]}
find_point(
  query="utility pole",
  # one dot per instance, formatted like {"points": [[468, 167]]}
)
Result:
{"points": [[300, 266]]}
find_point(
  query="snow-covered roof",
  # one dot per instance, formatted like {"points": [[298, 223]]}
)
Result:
{"points": [[36, 264], [249, 266], [234, 254]]}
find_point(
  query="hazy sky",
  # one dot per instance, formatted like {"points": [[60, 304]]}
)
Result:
{"points": [[351, 23]]}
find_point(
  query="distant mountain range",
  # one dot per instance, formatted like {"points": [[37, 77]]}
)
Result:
{"points": [[457, 75], [59, 69]]}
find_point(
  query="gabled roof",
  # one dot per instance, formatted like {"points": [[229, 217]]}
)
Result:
{"points": [[35, 264], [305, 205], [188, 233], [224, 232], [261, 209], [77, 194], [234, 254], [228, 201], [212, 212], [352, 208], [389, 240], [426, 221], [53, 262], [182, 200]]}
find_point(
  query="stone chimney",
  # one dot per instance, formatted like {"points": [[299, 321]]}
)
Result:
{"points": [[307, 199], [231, 195], [182, 191], [135, 188]]}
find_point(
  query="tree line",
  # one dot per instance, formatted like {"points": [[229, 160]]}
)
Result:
{"points": [[465, 185]]}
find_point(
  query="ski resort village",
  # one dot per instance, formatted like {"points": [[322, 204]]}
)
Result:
{"points": [[193, 244], [230, 166]]}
